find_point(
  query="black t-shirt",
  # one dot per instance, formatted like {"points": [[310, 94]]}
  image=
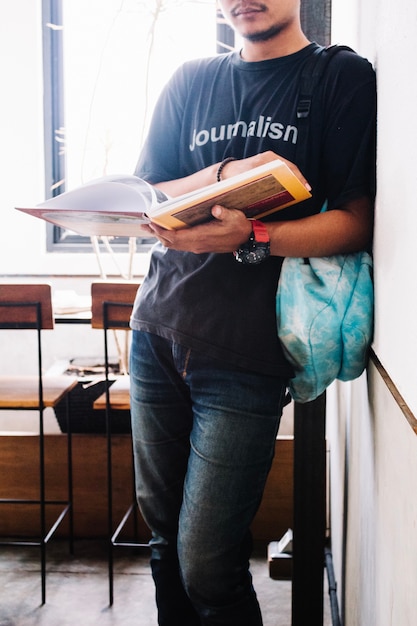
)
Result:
{"points": [[223, 106]]}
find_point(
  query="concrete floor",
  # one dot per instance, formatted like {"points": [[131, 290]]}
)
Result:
{"points": [[77, 588]]}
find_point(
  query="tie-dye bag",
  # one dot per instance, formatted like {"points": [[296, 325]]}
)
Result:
{"points": [[325, 319]]}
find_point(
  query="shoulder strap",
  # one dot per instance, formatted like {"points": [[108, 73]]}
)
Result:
{"points": [[311, 75]]}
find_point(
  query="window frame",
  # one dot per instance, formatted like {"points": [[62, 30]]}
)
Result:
{"points": [[58, 239]]}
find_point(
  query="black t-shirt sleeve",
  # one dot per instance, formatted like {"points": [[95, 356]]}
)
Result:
{"points": [[348, 137], [161, 157]]}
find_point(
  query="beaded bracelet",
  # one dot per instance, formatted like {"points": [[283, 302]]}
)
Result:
{"points": [[221, 166]]}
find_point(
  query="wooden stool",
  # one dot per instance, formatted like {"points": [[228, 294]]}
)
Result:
{"points": [[112, 305], [29, 307]]}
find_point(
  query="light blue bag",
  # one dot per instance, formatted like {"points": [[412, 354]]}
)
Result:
{"points": [[325, 319]]}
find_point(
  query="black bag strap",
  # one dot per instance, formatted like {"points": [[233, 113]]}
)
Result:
{"points": [[311, 75]]}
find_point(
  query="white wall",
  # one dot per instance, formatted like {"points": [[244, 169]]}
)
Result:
{"points": [[373, 446], [396, 221], [21, 159], [386, 32], [373, 503]]}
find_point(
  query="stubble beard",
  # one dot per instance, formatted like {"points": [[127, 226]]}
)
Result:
{"points": [[264, 35]]}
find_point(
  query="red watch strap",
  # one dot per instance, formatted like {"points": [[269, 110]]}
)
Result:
{"points": [[260, 231]]}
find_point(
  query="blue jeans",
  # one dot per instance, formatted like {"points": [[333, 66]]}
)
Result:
{"points": [[204, 438]]}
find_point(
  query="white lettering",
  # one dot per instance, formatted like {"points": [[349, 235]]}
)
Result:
{"points": [[267, 123], [232, 129], [251, 129], [275, 130], [291, 130], [220, 136], [261, 127], [202, 137], [192, 144]]}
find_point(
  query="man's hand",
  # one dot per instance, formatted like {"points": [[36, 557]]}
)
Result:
{"points": [[229, 229]]}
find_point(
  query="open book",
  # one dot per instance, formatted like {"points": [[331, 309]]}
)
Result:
{"points": [[120, 205]]}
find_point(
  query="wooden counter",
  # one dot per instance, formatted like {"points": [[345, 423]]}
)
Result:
{"points": [[18, 479]]}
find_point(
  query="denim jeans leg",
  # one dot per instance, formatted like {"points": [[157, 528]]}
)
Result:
{"points": [[161, 425], [204, 438]]}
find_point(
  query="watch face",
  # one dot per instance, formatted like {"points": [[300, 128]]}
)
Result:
{"points": [[253, 252]]}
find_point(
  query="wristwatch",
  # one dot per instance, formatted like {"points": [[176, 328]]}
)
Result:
{"points": [[257, 248]]}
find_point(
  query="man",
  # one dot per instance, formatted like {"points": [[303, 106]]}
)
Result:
{"points": [[207, 371]]}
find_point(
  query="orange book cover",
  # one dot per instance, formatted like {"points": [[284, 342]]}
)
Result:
{"points": [[120, 205]]}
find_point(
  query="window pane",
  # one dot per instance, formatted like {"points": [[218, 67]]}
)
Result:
{"points": [[117, 56]]}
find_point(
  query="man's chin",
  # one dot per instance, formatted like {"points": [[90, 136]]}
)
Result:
{"points": [[262, 35]]}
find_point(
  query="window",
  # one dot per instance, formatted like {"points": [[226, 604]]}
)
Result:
{"points": [[105, 62]]}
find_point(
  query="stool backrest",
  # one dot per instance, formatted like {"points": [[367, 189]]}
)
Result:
{"points": [[26, 306], [112, 304]]}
